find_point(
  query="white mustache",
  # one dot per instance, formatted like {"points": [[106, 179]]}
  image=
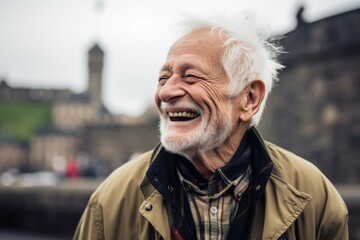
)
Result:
{"points": [[187, 105]]}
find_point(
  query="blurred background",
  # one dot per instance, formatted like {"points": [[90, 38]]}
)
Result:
{"points": [[77, 80]]}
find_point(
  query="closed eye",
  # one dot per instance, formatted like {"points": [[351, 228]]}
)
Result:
{"points": [[191, 78], [163, 79], [191, 75]]}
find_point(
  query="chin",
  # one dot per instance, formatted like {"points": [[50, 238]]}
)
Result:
{"points": [[200, 140], [176, 144]]}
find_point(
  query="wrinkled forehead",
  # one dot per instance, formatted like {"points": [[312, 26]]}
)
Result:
{"points": [[199, 42]]}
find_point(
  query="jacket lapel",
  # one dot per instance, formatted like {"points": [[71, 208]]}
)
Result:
{"points": [[153, 209], [283, 205]]}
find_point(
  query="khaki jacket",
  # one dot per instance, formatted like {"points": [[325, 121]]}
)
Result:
{"points": [[299, 200]]}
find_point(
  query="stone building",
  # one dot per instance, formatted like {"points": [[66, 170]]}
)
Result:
{"points": [[95, 66], [314, 109], [116, 144], [79, 110], [70, 114], [8, 93], [73, 113], [12, 153], [49, 145]]}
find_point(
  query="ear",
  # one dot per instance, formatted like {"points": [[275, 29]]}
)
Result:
{"points": [[251, 99]]}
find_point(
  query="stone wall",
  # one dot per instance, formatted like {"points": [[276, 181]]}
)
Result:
{"points": [[313, 110], [118, 143]]}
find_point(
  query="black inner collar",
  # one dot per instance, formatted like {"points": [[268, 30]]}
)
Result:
{"points": [[231, 171]]}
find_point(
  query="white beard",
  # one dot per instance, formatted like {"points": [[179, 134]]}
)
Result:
{"points": [[201, 139]]}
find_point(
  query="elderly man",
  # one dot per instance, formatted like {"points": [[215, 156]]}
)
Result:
{"points": [[213, 176]]}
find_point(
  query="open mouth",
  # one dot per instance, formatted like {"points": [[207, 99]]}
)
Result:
{"points": [[182, 116]]}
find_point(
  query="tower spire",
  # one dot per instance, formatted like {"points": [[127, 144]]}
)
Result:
{"points": [[95, 64]]}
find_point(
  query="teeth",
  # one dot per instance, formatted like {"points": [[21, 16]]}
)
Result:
{"points": [[183, 114]]}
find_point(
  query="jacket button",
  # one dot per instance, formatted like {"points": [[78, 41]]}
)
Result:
{"points": [[148, 207], [258, 187]]}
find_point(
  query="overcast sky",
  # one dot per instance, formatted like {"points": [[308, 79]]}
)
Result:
{"points": [[44, 43]]}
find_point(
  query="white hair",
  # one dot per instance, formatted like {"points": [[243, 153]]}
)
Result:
{"points": [[249, 53]]}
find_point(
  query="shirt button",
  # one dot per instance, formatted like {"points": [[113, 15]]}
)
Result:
{"points": [[213, 210], [148, 207]]}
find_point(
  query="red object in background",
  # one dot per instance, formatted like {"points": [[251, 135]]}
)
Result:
{"points": [[72, 168]]}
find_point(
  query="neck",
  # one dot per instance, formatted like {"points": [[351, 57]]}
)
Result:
{"points": [[206, 163]]}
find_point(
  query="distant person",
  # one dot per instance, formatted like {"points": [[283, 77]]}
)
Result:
{"points": [[213, 176], [72, 168]]}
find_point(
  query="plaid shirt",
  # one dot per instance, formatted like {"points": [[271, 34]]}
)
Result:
{"points": [[213, 209]]}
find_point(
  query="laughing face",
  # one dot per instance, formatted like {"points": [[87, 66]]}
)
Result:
{"points": [[192, 96]]}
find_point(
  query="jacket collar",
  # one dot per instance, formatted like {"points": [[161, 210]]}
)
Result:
{"points": [[153, 208], [146, 187], [283, 205], [162, 176], [261, 163]]}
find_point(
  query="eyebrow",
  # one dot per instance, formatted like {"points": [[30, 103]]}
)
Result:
{"points": [[187, 66], [182, 67]]}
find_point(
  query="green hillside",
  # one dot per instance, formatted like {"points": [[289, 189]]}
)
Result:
{"points": [[21, 119]]}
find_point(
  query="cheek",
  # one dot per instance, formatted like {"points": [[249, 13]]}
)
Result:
{"points": [[157, 98], [216, 98]]}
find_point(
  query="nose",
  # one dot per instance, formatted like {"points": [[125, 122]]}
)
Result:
{"points": [[171, 90]]}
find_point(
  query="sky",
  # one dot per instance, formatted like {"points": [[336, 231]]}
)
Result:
{"points": [[44, 43]]}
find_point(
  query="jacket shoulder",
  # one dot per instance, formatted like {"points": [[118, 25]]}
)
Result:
{"points": [[112, 210], [290, 166], [124, 181], [296, 171]]}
